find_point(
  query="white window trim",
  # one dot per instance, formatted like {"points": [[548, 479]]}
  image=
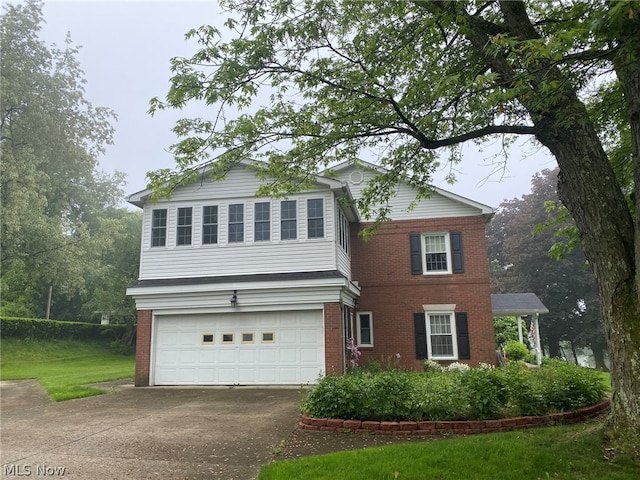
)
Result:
{"points": [[442, 310], [296, 220], [323, 218], [360, 344], [447, 246]]}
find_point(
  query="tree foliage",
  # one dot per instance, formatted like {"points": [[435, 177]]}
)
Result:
{"points": [[303, 84], [523, 237], [54, 199]]}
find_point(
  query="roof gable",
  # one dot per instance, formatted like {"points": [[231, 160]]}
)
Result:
{"points": [[441, 204], [240, 181]]}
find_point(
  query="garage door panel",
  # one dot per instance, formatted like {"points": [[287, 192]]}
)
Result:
{"points": [[246, 355], [291, 353]]}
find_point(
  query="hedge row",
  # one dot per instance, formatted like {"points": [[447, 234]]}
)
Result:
{"points": [[472, 394], [38, 329]]}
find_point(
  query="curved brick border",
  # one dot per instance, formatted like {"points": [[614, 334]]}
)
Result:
{"points": [[457, 427]]}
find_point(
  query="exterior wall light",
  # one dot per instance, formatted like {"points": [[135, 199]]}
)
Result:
{"points": [[234, 298]]}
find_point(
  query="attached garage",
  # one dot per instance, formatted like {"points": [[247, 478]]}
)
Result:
{"points": [[253, 348]]}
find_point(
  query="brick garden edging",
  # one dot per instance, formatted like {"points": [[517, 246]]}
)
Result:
{"points": [[457, 427]]}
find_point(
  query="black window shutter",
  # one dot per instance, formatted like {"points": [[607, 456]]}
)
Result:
{"points": [[457, 260], [462, 330], [420, 326], [416, 253]]}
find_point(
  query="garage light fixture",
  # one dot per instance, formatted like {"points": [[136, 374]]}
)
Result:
{"points": [[234, 298]]}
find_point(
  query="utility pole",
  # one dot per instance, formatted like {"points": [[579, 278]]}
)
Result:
{"points": [[49, 301]]}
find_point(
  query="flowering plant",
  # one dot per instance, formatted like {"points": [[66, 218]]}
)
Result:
{"points": [[353, 354], [458, 367]]}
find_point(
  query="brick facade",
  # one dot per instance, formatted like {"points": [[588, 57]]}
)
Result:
{"points": [[143, 347], [382, 267], [333, 342]]}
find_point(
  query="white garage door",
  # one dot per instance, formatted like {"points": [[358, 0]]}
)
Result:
{"points": [[266, 348]]}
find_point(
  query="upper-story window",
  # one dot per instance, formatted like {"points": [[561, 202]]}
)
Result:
{"points": [[343, 230], [262, 225], [159, 227], [209, 224], [315, 218], [436, 253], [236, 223], [185, 222], [288, 220]]}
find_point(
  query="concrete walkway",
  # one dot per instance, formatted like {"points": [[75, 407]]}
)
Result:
{"points": [[144, 433]]}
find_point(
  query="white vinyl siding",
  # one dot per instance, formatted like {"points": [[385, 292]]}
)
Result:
{"points": [[221, 257], [436, 206]]}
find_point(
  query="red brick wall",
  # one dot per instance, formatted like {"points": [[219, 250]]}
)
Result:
{"points": [[382, 266], [143, 348], [333, 344]]}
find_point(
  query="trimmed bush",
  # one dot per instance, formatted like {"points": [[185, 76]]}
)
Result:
{"points": [[516, 351], [38, 329], [474, 394]]}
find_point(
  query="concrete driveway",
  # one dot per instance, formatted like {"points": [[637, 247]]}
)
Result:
{"points": [[144, 433]]}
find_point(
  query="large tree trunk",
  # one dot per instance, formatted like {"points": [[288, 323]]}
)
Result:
{"points": [[598, 350], [588, 187]]}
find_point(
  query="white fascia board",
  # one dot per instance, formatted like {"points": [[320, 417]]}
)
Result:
{"points": [[222, 287], [485, 209]]}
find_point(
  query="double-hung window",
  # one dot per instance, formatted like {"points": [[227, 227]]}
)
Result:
{"points": [[315, 218], [365, 329], [159, 228], [436, 253], [441, 335], [262, 214], [236, 223], [209, 224], [185, 219], [288, 220]]}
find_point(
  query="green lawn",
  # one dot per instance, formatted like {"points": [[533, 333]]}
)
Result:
{"points": [[63, 367], [566, 453]]}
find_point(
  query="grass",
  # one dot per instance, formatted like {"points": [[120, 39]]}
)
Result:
{"points": [[63, 368], [566, 453], [606, 379]]}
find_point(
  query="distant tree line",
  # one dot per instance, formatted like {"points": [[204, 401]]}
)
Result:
{"points": [[532, 248], [67, 248]]}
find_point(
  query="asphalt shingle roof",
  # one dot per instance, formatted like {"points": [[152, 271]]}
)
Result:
{"points": [[517, 304]]}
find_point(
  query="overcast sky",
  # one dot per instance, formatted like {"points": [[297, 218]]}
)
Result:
{"points": [[126, 48]]}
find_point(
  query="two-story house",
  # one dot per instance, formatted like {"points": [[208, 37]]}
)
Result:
{"points": [[235, 289]]}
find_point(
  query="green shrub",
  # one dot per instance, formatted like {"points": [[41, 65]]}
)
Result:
{"points": [[438, 396], [38, 329], [515, 351], [486, 392], [568, 387], [478, 393]]}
